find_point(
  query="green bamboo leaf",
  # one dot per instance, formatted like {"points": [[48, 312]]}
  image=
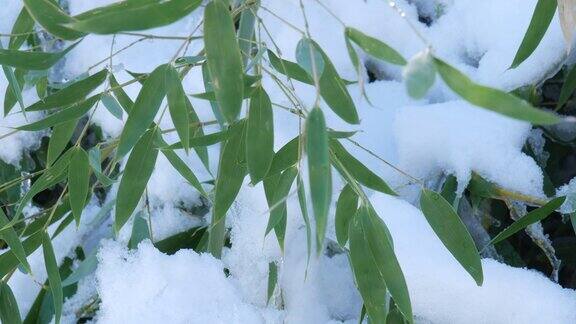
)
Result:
{"points": [[32, 60], [493, 99], [196, 131], [189, 60], [73, 112], [53, 276], [9, 262], [231, 173], [145, 108], [95, 161], [202, 141], [419, 74], [272, 280], [382, 248], [10, 97], [369, 280], [207, 80], [178, 105], [211, 96], [334, 92], [358, 170], [304, 210], [280, 193], [86, 267], [353, 55], [61, 135], [451, 231], [138, 170], [140, 231], [9, 312], [120, 94], [52, 18], [532, 217], [309, 58], [112, 106], [141, 77], [182, 168], [13, 241], [78, 182], [346, 208], [246, 29], [290, 69], [375, 47], [23, 28], [224, 58], [450, 191], [319, 171], [72, 94], [259, 135], [541, 19], [132, 15], [567, 88], [286, 157]]}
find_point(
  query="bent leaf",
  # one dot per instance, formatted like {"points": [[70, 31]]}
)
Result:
{"points": [[224, 59], [493, 99], [452, 232]]}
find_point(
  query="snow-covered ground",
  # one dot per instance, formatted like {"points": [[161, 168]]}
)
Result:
{"points": [[428, 137]]}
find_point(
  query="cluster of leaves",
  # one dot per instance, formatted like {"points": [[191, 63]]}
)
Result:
{"points": [[232, 61]]}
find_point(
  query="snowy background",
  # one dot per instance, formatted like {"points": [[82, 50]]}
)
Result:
{"points": [[437, 135]]}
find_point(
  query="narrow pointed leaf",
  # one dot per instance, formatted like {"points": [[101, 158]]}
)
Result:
{"points": [[13, 241], [78, 182], [112, 106], [319, 171], [140, 231], [346, 208], [53, 276], [9, 312], [15, 87], [231, 173], [31, 60], [61, 135], [178, 105], [23, 28], [286, 157], [375, 47], [207, 78], [419, 74], [493, 99], [541, 19], [304, 210], [259, 135], [272, 280], [246, 30], [530, 218], [567, 88], [137, 172], [132, 15], [52, 18], [196, 130], [202, 141], [309, 58], [184, 171], [71, 113], [278, 203], [120, 94], [289, 69], [224, 58], [452, 232], [358, 170], [144, 110], [95, 163]]}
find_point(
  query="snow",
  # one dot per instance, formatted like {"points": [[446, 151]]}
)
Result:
{"points": [[426, 138]]}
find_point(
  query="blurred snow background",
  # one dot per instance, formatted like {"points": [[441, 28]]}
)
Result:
{"points": [[435, 135]]}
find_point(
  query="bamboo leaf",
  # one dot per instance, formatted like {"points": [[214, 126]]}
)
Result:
{"points": [[259, 135], [224, 58], [132, 15], [196, 131], [319, 171], [452, 232], [71, 113], [492, 99], [23, 27], [13, 241], [272, 280], [145, 108], [140, 231], [309, 58], [95, 163], [286, 157], [13, 93], [567, 88], [246, 29], [120, 94], [304, 210], [289, 69], [202, 141], [85, 268], [32, 60], [375, 47], [358, 170], [52, 18], [541, 19], [53, 276], [346, 208], [419, 74], [112, 106], [61, 135], [530, 218], [9, 312], [280, 190], [178, 105], [78, 182], [138, 170], [231, 173]]}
